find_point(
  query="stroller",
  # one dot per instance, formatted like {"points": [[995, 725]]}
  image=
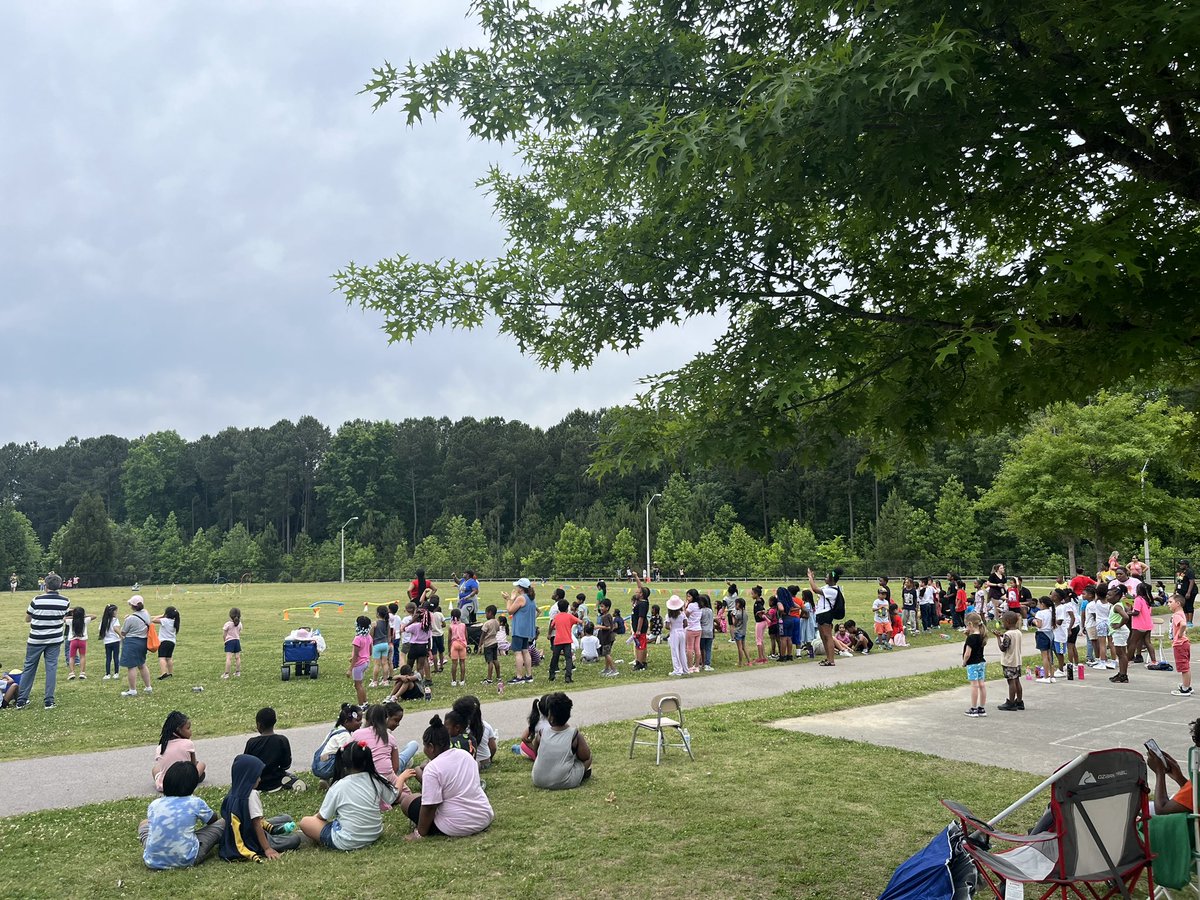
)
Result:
{"points": [[301, 650]]}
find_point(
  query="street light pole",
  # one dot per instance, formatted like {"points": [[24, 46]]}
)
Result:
{"points": [[648, 505], [347, 522], [1145, 528]]}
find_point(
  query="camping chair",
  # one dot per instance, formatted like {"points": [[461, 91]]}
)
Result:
{"points": [[660, 706], [1097, 838]]}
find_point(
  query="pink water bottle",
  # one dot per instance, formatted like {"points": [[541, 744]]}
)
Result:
{"points": [[500, 686], [1081, 668], [1028, 674]]}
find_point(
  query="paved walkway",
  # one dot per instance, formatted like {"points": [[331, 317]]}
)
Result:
{"points": [[36, 784], [1060, 721]]}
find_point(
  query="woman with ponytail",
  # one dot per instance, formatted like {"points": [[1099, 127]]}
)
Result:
{"points": [[452, 801]]}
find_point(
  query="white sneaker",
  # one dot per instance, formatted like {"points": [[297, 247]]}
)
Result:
{"points": [[1043, 680], [1111, 664], [147, 690], [225, 677], [709, 669], [71, 677], [454, 684], [1099, 664], [1181, 691], [1060, 673], [845, 653], [82, 676], [128, 693], [373, 684]]}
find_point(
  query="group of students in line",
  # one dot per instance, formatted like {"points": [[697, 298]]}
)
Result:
{"points": [[365, 774]]}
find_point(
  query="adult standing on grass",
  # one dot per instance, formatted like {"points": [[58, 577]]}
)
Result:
{"points": [[418, 586], [133, 646], [522, 613], [824, 598], [13, 581], [45, 616], [468, 596]]}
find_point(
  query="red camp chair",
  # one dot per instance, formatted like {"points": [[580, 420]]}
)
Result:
{"points": [[1096, 844]]}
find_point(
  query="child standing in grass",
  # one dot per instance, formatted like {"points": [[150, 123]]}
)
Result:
{"points": [[168, 634], [976, 667], [1181, 646], [458, 648], [488, 643], [1010, 661], [231, 633], [111, 632], [360, 657], [677, 635], [739, 631], [656, 624], [381, 668]]}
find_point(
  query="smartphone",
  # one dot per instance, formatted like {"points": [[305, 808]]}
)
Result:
{"points": [[1152, 747]]}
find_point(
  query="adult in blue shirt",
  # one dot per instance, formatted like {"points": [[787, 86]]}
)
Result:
{"points": [[522, 613], [468, 596]]}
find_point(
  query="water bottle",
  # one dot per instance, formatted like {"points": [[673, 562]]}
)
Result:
{"points": [[1082, 668], [500, 686], [1028, 674], [1070, 673], [198, 689], [428, 694]]}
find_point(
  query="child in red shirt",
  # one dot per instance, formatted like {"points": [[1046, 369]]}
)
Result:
{"points": [[898, 638], [560, 635]]}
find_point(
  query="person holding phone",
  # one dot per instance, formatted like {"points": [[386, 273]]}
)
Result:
{"points": [[1164, 766]]}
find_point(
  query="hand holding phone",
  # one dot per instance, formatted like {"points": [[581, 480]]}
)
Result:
{"points": [[1152, 747]]}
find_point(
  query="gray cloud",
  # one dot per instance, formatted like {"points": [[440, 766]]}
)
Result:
{"points": [[179, 182]]}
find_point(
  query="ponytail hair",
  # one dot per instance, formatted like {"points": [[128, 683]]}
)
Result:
{"points": [[173, 614], [436, 735], [468, 707], [349, 713], [175, 721], [78, 622], [376, 720], [235, 616], [357, 755]]}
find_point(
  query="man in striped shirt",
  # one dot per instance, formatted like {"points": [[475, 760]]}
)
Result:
{"points": [[45, 616]]}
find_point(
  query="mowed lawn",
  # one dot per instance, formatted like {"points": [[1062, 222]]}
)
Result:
{"points": [[761, 813], [92, 716]]}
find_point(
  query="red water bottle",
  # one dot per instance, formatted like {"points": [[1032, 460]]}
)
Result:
{"points": [[1081, 669]]}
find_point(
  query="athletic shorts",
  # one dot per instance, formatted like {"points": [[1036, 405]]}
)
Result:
{"points": [[1120, 637], [414, 814], [976, 671], [1072, 636], [520, 644], [417, 651], [439, 643], [883, 628], [490, 653], [380, 651], [639, 640], [773, 630], [606, 649], [166, 649], [1102, 630], [1042, 641], [357, 673], [77, 648], [1092, 634], [234, 646], [1060, 647], [794, 629], [1183, 657], [825, 618]]}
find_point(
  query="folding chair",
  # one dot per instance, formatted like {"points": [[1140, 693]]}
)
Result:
{"points": [[1097, 840], [660, 706]]}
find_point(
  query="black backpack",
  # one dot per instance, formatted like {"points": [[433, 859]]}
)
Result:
{"points": [[839, 604]]}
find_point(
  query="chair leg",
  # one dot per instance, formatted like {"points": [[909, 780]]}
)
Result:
{"points": [[659, 748], [633, 741]]}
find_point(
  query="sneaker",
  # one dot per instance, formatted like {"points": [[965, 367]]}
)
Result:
{"points": [[1119, 679], [846, 653], [1021, 705], [225, 677], [454, 684], [82, 676], [1099, 664], [1060, 673], [237, 674], [71, 677], [1006, 706], [1042, 680], [1181, 691], [1111, 664], [20, 704], [980, 711], [709, 669], [49, 704], [373, 684], [972, 712], [128, 693], [864, 652], [299, 787], [147, 690], [486, 681]]}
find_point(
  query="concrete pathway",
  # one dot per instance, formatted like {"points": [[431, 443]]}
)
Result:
{"points": [[1060, 721], [36, 784]]}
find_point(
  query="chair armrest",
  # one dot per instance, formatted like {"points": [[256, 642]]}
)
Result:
{"points": [[972, 822]]}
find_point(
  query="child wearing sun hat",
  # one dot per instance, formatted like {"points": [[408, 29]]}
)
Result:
{"points": [[677, 635]]}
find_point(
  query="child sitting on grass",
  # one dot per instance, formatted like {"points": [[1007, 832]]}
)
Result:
{"points": [[351, 816], [175, 745], [180, 829], [276, 754], [324, 759], [380, 720], [248, 837], [537, 724], [858, 639], [407, 685], [563, 758], [841, 640], [898, 638]]}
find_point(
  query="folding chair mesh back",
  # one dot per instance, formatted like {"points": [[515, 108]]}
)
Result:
{"points": [[1096, 838], [662, 706]]}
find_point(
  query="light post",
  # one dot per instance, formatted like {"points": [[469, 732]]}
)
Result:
{"points": [[347, 522], [648, 505], [1145, 529]]}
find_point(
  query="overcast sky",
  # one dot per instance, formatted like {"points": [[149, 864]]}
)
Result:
{"points": [[178, 181]]}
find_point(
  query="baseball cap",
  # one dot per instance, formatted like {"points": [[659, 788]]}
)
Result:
{"points": [[522, 583]]}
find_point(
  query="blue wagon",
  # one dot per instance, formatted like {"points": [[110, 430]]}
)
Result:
{"points": [[300, 656]]}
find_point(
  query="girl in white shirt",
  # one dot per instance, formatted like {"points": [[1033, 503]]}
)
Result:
{"points": [[110, 630], [1046, 622]]}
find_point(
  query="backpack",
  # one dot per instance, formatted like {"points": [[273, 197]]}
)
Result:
{"points": [[323, 768], [839, 604]]}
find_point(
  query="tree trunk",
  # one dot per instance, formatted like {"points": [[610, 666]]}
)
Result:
{"points": [[1071, 558]]}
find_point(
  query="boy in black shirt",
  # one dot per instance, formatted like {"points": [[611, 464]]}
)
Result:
{"points": [[275, 752]]}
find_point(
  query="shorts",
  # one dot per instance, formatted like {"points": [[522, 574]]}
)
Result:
{"points": [[1043, 642], [358, 672], [639, 640], [1012, 673], [234, 646], [1121, 637], [458, 650], [379, 651], [327, 837], [883, 628], [414, 815], [606, 649], [439, 643], [739, 636], [793, 626], [773, 630], [1060, 647], [825, 618], [166, 649], [1102, 629], [490, 654], [520, 644], [1091, 633], [1072, 636], [976, 671], [1183, 657], [417, 651], [76, 648]]}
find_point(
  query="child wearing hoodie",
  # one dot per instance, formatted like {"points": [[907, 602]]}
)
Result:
{"points": [[248, 836]]}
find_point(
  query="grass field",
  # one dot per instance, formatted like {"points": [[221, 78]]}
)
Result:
{"points": [[91, 715], [761, 813]]}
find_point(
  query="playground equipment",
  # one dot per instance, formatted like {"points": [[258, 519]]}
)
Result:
{"points": [[314, 608]]}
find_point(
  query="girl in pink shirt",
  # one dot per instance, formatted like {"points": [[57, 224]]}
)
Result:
{"points": [[231, 633], [175, 745], [360, 656]]}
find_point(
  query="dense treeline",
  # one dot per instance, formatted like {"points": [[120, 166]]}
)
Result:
{"points": [[498, 495]]}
